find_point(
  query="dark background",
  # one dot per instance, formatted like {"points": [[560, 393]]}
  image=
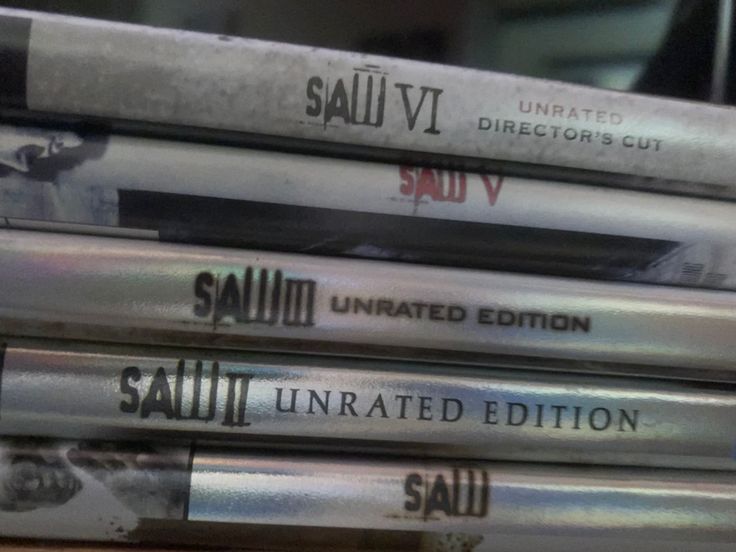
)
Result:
{"points": [[657, 46]]}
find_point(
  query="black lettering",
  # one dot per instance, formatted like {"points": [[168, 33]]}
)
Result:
{"points": [[265, 314], [438, 498], [202, 281], [314, 87], [412, 116], [491, 412], [484, 316], [435, 312], [347, 399], [273, 316], [479, 509], [364, 306], [337, 105], [411, 488], [425, 408], [130, 373], [194, 413], [581, 323], [558, 414], [540, 414], [402, 399], [419, 309], [292, 407], [510, 415], [456, 313], [228, 303], [315, 398], [378, 403], [505, 318], [458, 410], [299, 302], [341, 309], [403, 310], [631, 420], [368, 102], [606, 419], [158, 398], [384, 306], [577, 410], [559, 322], [237, 399]]}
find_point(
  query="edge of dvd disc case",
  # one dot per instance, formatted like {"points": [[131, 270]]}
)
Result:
{"points": [[90, 490], [129, 72], [84, 287], [218, 195], [97, 391]]}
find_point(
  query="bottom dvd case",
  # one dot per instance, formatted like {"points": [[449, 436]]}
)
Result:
{"points": [[146, 493], [300, 539]]}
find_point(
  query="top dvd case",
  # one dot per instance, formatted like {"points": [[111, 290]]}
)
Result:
{"points": [[77, 67]]}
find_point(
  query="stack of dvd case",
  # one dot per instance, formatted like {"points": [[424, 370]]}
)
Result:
{"points": [[270, 297]]}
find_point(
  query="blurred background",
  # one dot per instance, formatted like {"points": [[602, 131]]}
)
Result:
{"points": [[670, 47]]}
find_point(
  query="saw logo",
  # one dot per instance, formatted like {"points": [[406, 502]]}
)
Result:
{"points": [[255, 296], [361, 99], [446, 186], [453, 493]]}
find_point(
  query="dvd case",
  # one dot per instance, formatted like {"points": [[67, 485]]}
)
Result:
{"points": [[264, 538], [87, 287], [209, 194], [74, 67], [90, 490], [76, 390]]}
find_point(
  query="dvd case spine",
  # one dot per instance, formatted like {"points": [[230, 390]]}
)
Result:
{"points": [[121, 491], [265, 538], [74, 390], [99, 288], [198, 193], [83, 67]]}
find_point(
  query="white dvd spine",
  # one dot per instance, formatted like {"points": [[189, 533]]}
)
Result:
{"points": [[178, 191], [129, 491], [84, 67], [92, 287], [92, 391]]}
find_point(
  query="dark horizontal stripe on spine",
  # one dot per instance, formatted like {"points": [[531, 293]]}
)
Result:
{"points": [[270, 226]]}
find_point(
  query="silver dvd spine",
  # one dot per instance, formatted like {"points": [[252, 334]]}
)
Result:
{"points": [[85, 67], [90, 391], [179, 191], [93, 287], [120, 491]]}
